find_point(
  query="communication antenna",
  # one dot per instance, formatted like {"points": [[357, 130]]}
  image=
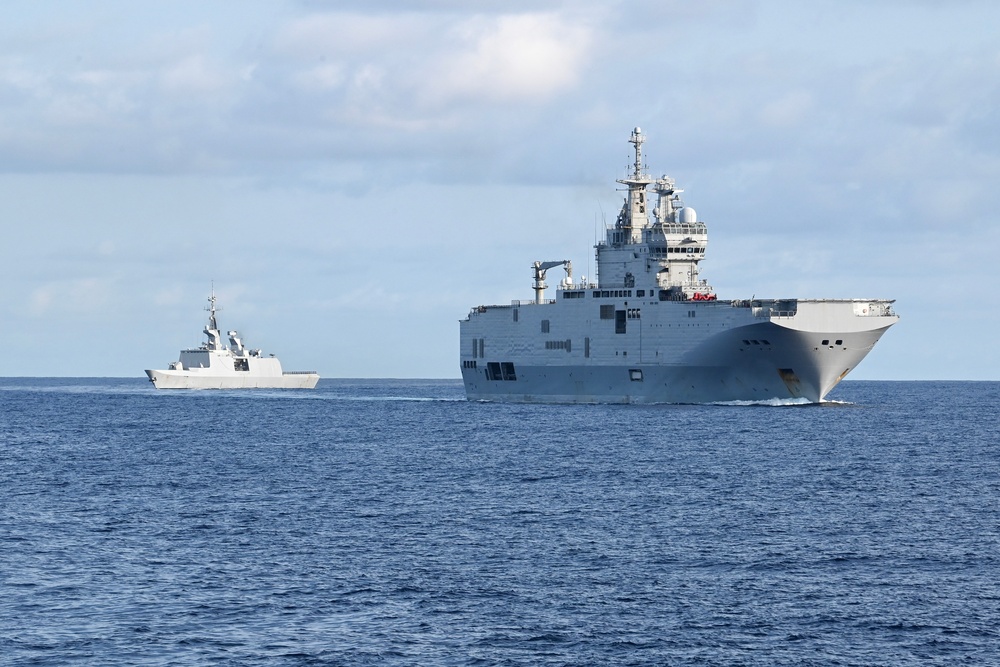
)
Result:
{"points": [[212, 308], [590, 255]]}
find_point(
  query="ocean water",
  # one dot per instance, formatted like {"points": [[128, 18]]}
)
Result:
{"points": [[378, 522]]}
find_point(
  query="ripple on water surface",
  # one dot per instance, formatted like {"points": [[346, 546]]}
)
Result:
{"points": [[393, 522]]}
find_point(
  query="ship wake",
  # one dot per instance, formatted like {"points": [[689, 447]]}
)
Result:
{"points": [[769, 403]]}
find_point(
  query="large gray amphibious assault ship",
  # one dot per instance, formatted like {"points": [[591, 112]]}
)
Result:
{"points": [[651, 331]]}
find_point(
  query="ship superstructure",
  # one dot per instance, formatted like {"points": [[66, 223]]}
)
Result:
{"points": [[651, 330], [214, 365]]}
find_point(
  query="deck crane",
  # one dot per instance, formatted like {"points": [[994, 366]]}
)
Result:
{"points": [[540, 269]]}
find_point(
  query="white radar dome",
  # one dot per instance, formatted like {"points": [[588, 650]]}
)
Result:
{"points": [[688, 214]]}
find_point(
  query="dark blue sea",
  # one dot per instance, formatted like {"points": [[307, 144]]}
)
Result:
{"points": [[384, 522]]}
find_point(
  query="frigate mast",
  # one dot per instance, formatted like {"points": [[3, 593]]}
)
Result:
{"points": [[212, 330], [211, 308]]}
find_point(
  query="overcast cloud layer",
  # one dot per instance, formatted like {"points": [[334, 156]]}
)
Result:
{"points": [[354, 176]]}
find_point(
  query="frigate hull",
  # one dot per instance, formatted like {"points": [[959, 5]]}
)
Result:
{"points": [[165, 379]]}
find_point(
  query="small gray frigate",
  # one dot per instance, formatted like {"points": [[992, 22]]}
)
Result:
{"points": [[651, 331], [217, 366]]}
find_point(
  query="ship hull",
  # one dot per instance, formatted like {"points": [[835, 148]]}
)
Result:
{"points": [[671, 353], [166, 379]]}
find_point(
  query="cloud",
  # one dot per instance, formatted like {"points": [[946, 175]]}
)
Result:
{"points": [[443, 93], [421, 65], [326, 76], [514, 58], [84, 296], [348, 34], [420, 83], [17, 75], [193, 74]]}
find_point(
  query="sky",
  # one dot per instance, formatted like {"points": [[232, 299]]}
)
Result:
{"points": [[352, 177]]}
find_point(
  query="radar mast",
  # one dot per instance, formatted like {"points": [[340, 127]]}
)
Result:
{"points": [[212, 330], [211, 310], [633, 217]]}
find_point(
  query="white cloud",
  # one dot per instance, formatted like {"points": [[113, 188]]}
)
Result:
{"points": [[322, 77], [18, 74], [424, 63], [348, 34], [511, 58], [193, 74]]}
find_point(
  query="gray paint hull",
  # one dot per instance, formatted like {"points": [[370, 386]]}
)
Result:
{"points": [[730, 356]]}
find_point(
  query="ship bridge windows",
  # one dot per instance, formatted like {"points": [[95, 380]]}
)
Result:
{"points": [[674, 293], [195, 357], [613, 293]]}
